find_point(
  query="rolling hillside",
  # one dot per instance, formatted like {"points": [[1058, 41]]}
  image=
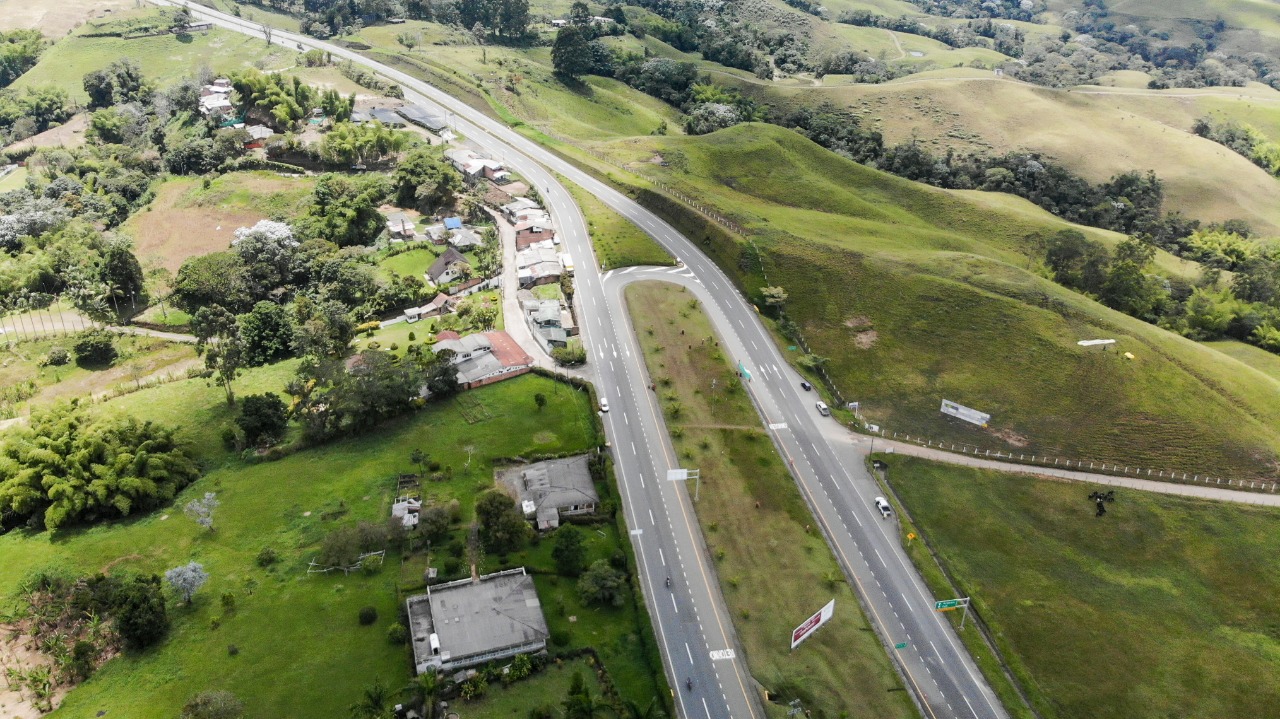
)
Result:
{"points": [[1096, 132], [917, 294]]}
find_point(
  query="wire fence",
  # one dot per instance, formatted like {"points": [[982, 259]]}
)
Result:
{"points": [[1089, 466]]}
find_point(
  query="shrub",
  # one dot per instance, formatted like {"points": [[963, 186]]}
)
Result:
{"points": [[263, 418], [57, 357], [213, 705], [95, 348], [228, 602], [451, 566], [368, 615], [267, 557], [397, 634], [560, 637], [413, 337]]}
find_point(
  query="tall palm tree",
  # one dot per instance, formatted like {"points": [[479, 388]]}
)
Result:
{"points": [[374, 703]]}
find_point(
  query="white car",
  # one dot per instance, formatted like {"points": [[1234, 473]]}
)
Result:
{"points": [[604, 405], [883, 506]]}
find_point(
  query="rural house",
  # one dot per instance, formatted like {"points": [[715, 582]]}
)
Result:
{"points": [[446, 268], [548, 491], [475, 621], [400, 226]]}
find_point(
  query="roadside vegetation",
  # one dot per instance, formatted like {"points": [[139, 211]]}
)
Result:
{"points": [[618, 242], [1144, 611], [774, 569]]}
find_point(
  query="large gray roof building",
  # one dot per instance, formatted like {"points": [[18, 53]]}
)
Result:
{"points": [[469, 622]]}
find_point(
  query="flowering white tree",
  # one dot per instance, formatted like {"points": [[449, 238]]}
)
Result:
{"points": [[267, 249], [201, 509], [187, 579]]}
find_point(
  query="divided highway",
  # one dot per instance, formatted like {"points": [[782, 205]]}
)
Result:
{"points": [[693, 626]]}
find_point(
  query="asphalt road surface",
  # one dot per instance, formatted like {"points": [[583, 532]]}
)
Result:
{"points": [[693, 627]]}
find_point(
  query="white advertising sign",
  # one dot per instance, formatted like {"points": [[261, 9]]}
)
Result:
{"points": [[810, 625], [960, 411]]}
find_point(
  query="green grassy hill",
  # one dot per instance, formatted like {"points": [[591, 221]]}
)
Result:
{"points": [[1095, 132], [918, 294], [163, 58]]}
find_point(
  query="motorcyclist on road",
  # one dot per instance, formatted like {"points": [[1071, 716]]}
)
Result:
{"points": [[689, 683]]}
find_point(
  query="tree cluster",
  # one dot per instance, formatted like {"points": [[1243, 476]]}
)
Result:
{"points": [[1242, 139], [1247, 309], [32, 110], [503, 529], [99, 611], [19, 51], [72, 467], [334, 397], [283, 101]]}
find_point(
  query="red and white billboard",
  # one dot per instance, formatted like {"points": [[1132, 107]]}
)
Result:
{"points": [[810, 625]]}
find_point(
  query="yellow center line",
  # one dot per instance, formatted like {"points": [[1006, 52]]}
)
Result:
{"points": [[651, 402]]}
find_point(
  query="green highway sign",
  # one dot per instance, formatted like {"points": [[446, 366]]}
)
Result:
{"points": [[947, 604], [900, 645]]}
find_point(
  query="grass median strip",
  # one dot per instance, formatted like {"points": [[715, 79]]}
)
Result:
{"points": [[773, 566]]}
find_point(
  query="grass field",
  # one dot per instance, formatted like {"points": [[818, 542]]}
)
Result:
{"points": [[141, 359], [414, 262], [1265, 362], [917, 295], [284, 612], [186, 219], [164, 59], [616, 240], [17, 178], [1152, 611], [772, 572]]}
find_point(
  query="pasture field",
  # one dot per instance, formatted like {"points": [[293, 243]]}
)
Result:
{"points": [[163, 59], [917, 294], [773, 571], [1126, 130], [142, 360], [186, 219], [1145, 613], [289, 505]]}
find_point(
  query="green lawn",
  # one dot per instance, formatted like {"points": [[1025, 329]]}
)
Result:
{"points": [[198, 407], [413, 263], [1150, 611], [773, 570], [618, 242], [546, 688], [917, 294], [301, 650], [164, 58], [14, 180]]}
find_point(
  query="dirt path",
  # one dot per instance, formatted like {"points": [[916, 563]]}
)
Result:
{"points": [[892, 36]]}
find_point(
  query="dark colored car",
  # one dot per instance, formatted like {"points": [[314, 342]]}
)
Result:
{"points": [[804, 385]]}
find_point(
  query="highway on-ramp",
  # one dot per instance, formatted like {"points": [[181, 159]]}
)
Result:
{"points": [[693, 627]]}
